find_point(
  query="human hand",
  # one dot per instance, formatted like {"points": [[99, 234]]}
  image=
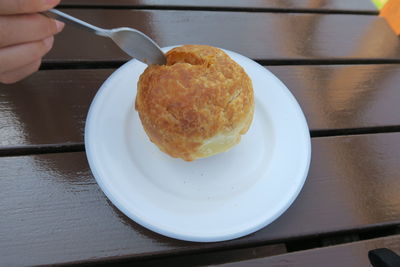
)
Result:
{"points": [[25, 37]]}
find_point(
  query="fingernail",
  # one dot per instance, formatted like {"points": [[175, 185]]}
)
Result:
{"points": [[50, 3], [48, 42], [60, 25]]}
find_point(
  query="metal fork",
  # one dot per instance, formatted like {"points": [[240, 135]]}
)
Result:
{"points": [[133, 42]]}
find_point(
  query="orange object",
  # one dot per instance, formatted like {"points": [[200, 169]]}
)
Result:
{"points": [[391, 12]]}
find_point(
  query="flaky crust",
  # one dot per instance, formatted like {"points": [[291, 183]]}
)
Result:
{"points": [[196, 105]]}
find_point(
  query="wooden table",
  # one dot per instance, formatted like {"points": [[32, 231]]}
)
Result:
{"points": [[339, 59]]}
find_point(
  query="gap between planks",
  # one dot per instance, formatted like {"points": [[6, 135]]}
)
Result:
{"points": [[217, 256], [225, 9], [25, 150], [61, 65]]}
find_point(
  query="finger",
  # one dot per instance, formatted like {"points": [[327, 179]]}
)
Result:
{"points": [[9, 7], [13, 57], [17, 75], [16, 29]]}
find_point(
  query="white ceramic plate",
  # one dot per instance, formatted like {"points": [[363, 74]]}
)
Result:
{"points": [[214, 199]]}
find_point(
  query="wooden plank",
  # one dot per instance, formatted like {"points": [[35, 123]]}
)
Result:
{"points": [[326, 5], [346, 255], [208, 258], [53, 211], [51, 106], [263, 36], [345, 96]]}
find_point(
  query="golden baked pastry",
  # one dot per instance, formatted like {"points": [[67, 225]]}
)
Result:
{"points": [[197, 105]]}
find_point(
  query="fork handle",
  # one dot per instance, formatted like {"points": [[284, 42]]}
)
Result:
{"points": [[56, 14]]}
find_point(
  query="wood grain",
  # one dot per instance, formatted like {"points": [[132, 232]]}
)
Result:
{"points": [[321, 5], [347, 255], [51, 106], [52, 209], [263, 36]]}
